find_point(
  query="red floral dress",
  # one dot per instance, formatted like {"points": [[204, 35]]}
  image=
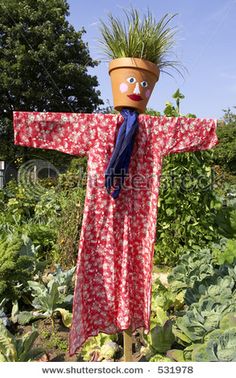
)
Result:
{"points": [[114, 266]]}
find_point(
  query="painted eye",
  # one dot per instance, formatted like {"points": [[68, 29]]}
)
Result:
{"points": [[131, 80], [144, 84]]}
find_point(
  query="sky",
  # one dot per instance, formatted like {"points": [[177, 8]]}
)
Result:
{"points": [[206, 46]]}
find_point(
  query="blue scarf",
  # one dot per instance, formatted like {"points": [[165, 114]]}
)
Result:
{"points": [[118, 166]]}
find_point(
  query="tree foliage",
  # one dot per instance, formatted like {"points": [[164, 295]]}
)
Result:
{"points": [[225, 154], [43, 60]]}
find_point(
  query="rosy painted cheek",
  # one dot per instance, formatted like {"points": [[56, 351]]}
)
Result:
{"points": [[123, 87], [148, 93]]}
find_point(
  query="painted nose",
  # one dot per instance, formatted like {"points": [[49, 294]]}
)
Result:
{"points": [[136, 89]]}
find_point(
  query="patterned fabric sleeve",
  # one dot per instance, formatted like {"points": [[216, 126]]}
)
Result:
{"points": [[71, 133], [188, 134]]}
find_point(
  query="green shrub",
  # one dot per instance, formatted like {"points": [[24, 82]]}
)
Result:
{"points": [[225, 153], [45, 219], [72, 196], [187, 206], [16, 267], [42, 236]]}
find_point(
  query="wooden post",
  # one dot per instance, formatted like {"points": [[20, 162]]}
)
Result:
{"points": [[127, 338]]}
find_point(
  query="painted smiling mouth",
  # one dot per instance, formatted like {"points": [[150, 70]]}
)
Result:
{"points": [[135, 97]]}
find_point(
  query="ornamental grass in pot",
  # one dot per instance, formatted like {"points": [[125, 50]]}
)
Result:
{"points": [[139, 49]]}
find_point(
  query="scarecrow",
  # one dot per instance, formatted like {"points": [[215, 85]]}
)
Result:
{"points": [[125, 153]]}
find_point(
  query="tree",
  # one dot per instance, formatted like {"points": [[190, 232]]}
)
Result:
{"points": [[43, 67], [229, 115], [43, 60]]}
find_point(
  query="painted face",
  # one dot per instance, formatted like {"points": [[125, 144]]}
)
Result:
{"points": [[132, 88], [136, 89]]}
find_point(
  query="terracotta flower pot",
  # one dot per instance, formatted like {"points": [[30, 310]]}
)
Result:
{"points": [[133, 80]]}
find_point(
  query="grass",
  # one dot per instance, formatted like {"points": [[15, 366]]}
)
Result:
{"points": [[144, 38]]}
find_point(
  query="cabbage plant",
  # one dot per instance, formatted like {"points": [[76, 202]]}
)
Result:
{"points": [[18, 349]]}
